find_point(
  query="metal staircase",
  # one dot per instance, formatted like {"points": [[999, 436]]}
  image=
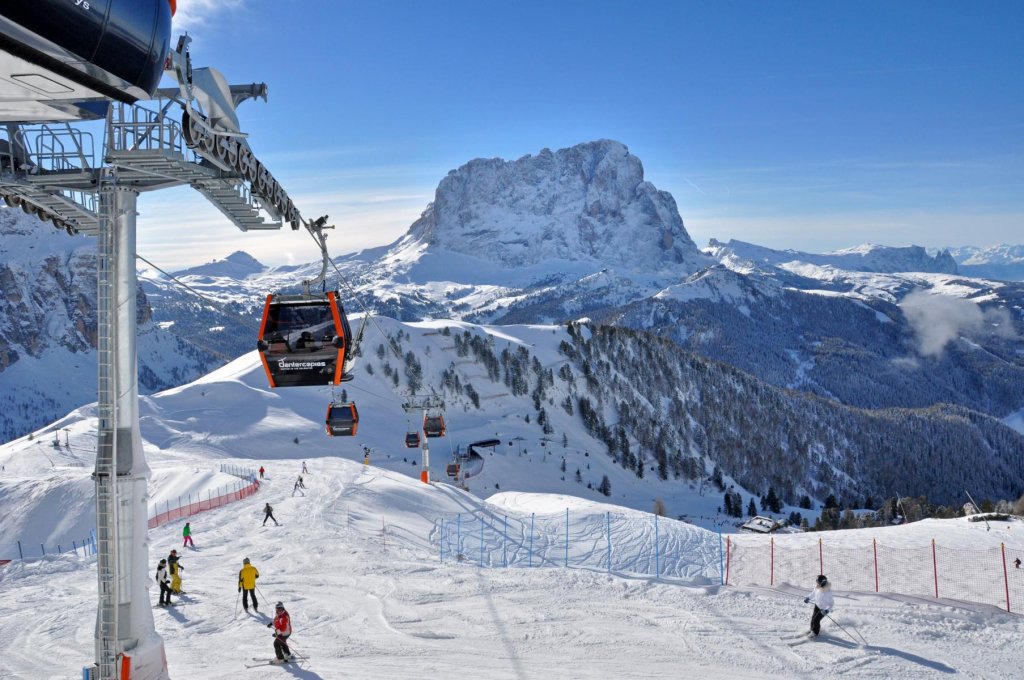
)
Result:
{"points": [[150, 152]]}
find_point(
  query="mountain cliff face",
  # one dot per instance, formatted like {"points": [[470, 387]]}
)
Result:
{"points": [[589, 203], [48, 328]]}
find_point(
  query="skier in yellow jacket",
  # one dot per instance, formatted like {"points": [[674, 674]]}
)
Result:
{"points": [[247, 584]]}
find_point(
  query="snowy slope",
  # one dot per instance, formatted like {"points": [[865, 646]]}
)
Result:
{"points": [[355, 561]]}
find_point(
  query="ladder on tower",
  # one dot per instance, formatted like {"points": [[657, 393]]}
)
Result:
{"points": [[106, 454]]}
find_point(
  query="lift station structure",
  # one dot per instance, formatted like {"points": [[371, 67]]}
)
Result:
{"points": [[67, 69]]}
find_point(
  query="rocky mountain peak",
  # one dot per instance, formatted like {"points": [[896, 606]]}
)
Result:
{"points": [[586, 203]]}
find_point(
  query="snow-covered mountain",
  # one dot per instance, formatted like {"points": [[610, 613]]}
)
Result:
{"points": [[573, 405], [586, 205], [237, 265], [1004, 263], [864, 258], [579, 233]]}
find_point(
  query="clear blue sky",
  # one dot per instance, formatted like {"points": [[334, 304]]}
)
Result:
{"points": [[792, 124]]}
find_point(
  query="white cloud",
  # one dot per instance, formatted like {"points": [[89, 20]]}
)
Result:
{"points": [[193, 14], [937, 319]]}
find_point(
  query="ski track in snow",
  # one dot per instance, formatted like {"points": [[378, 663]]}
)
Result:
{"points": [[354, 563]]}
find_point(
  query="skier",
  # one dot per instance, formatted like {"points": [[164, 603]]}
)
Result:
{"points": [[163, 580], [261, 472], [298, 486], [282, 625], [175, 569], [823, 601], [1016, 563], [247, 583], [186, 533], [304, 470], [268, 513]]}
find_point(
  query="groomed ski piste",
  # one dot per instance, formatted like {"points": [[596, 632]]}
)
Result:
{"points": [[357, 563]]}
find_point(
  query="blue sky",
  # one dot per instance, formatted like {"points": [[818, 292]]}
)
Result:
{"points": [[796, 124]]}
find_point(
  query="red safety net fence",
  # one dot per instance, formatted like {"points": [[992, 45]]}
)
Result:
{"points": [[991, 576], [170, 514]]}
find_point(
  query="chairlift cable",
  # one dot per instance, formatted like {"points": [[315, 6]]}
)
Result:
{"points": [[315, 227], [244, 320]]}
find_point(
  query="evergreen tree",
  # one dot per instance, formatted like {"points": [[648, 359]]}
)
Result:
{"points": [[752, 507], [605, 486]]}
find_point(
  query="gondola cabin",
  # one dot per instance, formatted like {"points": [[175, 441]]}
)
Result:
{"points": [[342, 419], [60, 58], [412, 440], [452, 470], [433, 425], [304, 340]]}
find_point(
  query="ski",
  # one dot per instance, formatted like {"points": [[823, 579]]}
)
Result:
{"points": [[793, 642], [271, 662]]}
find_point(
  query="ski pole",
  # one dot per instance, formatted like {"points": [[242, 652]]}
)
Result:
{"points": [[855, 640], [236, 602]]}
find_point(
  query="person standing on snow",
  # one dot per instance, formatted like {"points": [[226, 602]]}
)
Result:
{"points": [[175, 570], [282, 625], [823, 601], [1016, 563], [247, 584], [304, 470], [268, 513], [261, 472], [164, 581], [298, 486], [186, 533]]}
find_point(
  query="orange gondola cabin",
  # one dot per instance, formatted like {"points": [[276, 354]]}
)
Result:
{"points": [[433, 425], [342, 419], [412, 440], [304, 340]]}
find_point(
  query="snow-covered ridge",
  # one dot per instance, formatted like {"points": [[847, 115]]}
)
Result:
{"points": [[1003, 262], [863, 258]]}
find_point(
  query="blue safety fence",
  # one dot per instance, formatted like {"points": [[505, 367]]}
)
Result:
{"points": [[31, 551], [612, 542]]}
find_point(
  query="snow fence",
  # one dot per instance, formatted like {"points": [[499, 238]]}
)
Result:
{"points": [[627, 543], [990, 576], [188, 505], [647, 545]]}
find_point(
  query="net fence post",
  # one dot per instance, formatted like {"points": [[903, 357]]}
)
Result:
{"points": [[728, 558], [874, 548], [935, 569], [771, 579], [1006, 576]]}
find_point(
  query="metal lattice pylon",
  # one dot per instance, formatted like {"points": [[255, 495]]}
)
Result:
{"points": [[106, 453]]}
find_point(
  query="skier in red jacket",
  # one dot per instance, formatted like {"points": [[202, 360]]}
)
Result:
{"points": [[282, 626]]}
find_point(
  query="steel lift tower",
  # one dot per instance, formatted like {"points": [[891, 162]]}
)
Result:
{"points": [[424, 405], [61, 66]]}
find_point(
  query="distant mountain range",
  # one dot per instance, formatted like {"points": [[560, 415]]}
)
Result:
{"points": [[1004, 263], [578, 233]]}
